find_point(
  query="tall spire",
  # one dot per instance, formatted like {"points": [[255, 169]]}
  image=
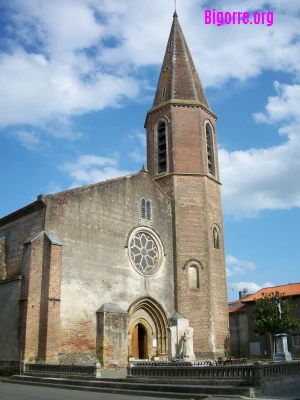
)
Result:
{"points": [[178, 79]]}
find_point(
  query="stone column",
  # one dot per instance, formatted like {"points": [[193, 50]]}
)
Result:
{"points": [[282, 353]]}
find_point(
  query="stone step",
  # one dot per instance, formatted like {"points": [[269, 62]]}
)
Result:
{"points": [[157, 389]]}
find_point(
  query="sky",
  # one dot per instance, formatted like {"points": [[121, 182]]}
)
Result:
{"points": [[77, 78]]}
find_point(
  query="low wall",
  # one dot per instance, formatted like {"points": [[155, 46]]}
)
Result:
{"points": [[280, 377], [7, 367], [203, 373], [61, 370], [266, 378]]}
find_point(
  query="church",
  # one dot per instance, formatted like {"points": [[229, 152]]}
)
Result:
{"points": [[101, 272]]}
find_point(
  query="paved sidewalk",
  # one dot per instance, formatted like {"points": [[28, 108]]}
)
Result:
{"points": [[292, 395], [121, 374]]}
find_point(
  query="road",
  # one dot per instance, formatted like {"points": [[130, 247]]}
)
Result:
{"points": [[9, 391]]}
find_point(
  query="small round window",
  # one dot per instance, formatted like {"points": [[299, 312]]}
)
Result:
{"points": [[145, 252]]}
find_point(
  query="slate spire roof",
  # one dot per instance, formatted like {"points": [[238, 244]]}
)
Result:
{"points": [[178, 79]]}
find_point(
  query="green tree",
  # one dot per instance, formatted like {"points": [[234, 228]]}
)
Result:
{"points": [[272, 315]]}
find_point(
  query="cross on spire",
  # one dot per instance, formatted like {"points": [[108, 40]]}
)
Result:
{"points": [[175, 12]]}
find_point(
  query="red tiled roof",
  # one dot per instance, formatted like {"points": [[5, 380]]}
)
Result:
{"points": [[292, 289], [236, 306]]}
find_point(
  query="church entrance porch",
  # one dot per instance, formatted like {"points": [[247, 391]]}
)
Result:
{"points": [[147, 333], [139, 342]]}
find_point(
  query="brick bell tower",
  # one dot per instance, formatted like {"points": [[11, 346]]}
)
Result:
{"points": [[182, 158]]}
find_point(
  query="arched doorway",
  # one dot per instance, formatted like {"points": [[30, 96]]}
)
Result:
{"points": [[147, 331], [139, 342]]}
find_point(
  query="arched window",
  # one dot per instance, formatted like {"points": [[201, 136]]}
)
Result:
{"points": [[216, 238], [194, 277], [143, 209], [210, 150], [161, 148], [146, 210]]}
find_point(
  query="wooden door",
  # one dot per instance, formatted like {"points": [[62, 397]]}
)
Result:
{"points": [[142, 342], [135, 342], [139, 342]]}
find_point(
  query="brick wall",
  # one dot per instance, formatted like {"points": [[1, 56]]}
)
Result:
{"points": [[197, 210], [40, 299]]}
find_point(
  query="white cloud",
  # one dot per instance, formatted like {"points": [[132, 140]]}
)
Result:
{"points": [[137, 152], [137, 156], [238, 267], [28, 139], [259, 179], [53, 187], [35, 92], [251, 287], [254, 48], [58, 77], [89, 169], [283, 106], [141, 138]]}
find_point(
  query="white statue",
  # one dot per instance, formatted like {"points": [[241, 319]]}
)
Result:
{"points": [[188, 345], [185, 346], [277, 301]]}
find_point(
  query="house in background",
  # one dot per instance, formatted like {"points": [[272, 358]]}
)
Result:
{"points": [[238, 324], [244, 342]]}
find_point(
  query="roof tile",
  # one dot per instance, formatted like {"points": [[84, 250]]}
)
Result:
{"points": [[291, 289], [178, 78]]}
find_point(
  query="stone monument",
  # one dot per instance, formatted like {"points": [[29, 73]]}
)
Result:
{"points": [[188, 345], [180, 339], [282, 353]]}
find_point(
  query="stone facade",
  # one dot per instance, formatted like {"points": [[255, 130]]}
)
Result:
{"points": [[104, 267], [67, 276]]}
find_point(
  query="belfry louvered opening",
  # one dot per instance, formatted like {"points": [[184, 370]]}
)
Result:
{"points": [[210, 150], [161, 148]]}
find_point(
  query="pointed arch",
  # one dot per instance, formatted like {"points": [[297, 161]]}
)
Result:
{"points": [[148, 210], [143, 209], [216, 236], [157, 316], [210, 149], [161, 146]]}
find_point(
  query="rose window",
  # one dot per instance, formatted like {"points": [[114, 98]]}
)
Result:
{"points": [[144, 253]]}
